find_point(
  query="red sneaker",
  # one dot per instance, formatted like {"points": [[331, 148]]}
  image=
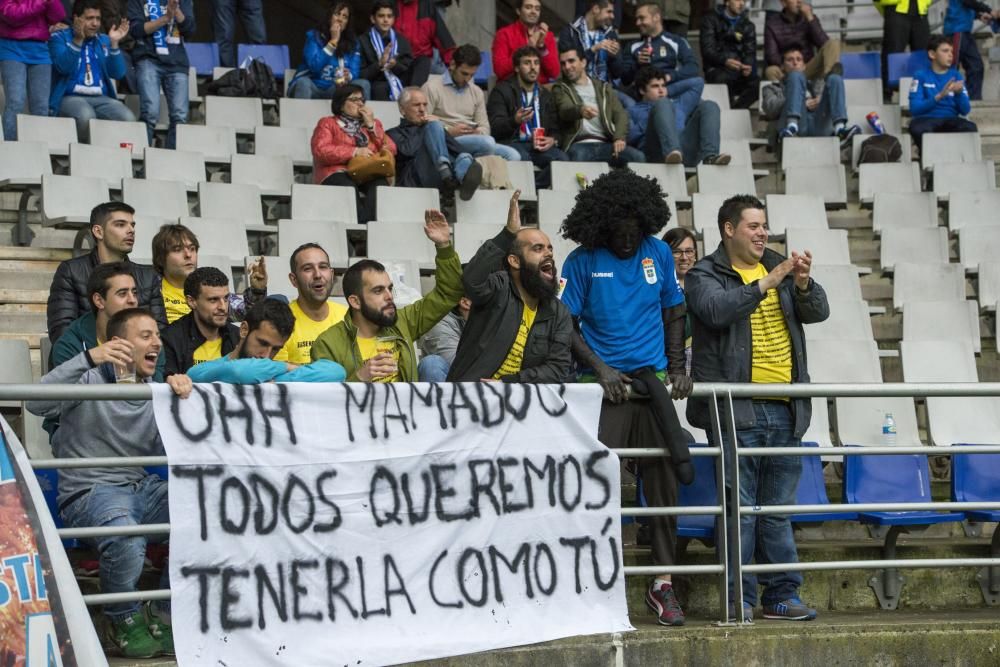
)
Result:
{"points": [[664, 604]]}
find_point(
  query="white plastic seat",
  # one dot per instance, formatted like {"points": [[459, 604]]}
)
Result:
{"points": [[469, 238], [487, 207], [522, 177], [398, 204], [175, 165], [400, 240], [221, 237], [291, 142], [277, 266], [156, 199], [889, 114], [977, 245], [23, 163], [242, 114], [387, 112], [217, 144], [828, 246], [728, 180], [718, 93], [711, 237], [739, 152], [942, 321], [849, 320], [904, 92], [804, 211], [925, 281], [901, 177], [109, 164], [819, 427], [927, 245], [828, 181], [554, 206], [274, 175], [905, 144], [974, 209], [564, 174], [735, 124], [840, 282], [809, 152], [863, 91], [913, 210], [56, 132], [68, 200], [949, 147], [162, 122], [962, 177], [302, 113], [671, 178], [15, 359], [324, 202], [227, 200], [332, 236], [114, 133], [705, 210]]}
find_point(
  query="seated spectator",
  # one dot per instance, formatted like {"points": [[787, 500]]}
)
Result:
{"points": [[800, 111], [668, 53], [958, 20], [518, 329], [905, 26], [84, 65], [427, 156], [461, 106], [729, 52], [438, 345], [112, 228], [593, 124], [520, 110], [205, 333], [314, 312], [594, 34], [374, 341], [797, 26], [352, 131], [224, 26], [331, 57], [684, 248], [654, 129], [528, 30], [938, 97], [616, 10], [161, 60], [421, 22], [25, 62], [386, 55], [106, 497]]}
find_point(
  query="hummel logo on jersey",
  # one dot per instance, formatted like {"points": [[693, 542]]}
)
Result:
{"points": [[602, 274]]}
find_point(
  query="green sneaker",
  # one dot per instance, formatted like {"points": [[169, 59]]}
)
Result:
{"points": [[159, 629], [131, 636]]}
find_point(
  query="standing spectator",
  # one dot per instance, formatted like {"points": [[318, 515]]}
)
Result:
{"points": [[938, 97], [205, 333], [528, 30], [958, 20], [594, 35], [729, 52], [25, 62], [797, 26], [331, 57], [748, 305], [519, 108], [84, 65], [224, 26], [351, 131], [386, 55], [314, 312], [161, 60], [905, 24], [421, 22]]}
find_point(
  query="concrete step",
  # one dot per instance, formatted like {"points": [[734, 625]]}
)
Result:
{"points": [[23, 323], [26, 279], [8, 252]]}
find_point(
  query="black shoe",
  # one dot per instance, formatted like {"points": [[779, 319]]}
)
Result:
{"points": [[473, 177], [448, 180]]}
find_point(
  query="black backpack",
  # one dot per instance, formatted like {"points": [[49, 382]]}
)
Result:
{"points": [[254, 80], [880, 148]]}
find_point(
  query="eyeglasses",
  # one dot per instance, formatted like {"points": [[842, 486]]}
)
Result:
{"points": [[356, 100], [690, 252]]}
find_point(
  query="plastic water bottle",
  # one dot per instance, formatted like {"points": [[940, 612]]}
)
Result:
{"points": [[875, 122], [888, 430]]}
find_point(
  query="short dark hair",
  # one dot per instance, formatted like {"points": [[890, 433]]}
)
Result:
{"points": [[100, 277], [524, 52], [646, 74], [100, 214], [576, 48], [732, 210], [274, 311], [352, 282], [165, 240], [587, 6], [789, 49], [675, 235], [383, 4], [119, 321], [305, 246], [340, 96], [936, 41], [80, 6], [467, 54], [207, 276], [653, 6]]}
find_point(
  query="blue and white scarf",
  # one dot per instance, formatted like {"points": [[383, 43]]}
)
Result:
{"points": [[395, 85], [154, 12], [527, 129], [597, 63]]}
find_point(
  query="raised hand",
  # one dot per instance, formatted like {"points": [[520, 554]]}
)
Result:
{"points": [[257, 274], [802, 263], [514, 214], [436, 228], [118, 32]]}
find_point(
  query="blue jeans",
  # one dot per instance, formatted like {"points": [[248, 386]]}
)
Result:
{"points": [[82, 108], [831, 110], [686, 95], [541, 159], [435, 152], [768, 480], [481, 144], [696, 141], [600, 151], [150, 76], [432, 368], [24, 83], [305, 89], [224, 26], [122, 557], [967, 53]]}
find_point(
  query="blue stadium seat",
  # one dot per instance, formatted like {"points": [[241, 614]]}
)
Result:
{"points": [[485, 71], [906, 64], [863, 65], [702, 491], [48, 481], [275, 55], [974, 479], [203, 56], [812, 491]]}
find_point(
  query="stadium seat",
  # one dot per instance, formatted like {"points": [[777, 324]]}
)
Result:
{"points": [[220, 237], [840, 282], [155, 199], [848, 320], [926, 281], [828, 246], [887, 177], [988, 291], [727, 180], [809, 152], [68, 200], [739, 152], [926, 245], [974, 480], [904, 92], [812, 488], [905, 143], [974, 209], [828, 181], [904, 211], [906, 64], [23, 163], [274, 175], [111, 164], [862, 65], [15, 359], [386, 112], [487, 207], [950, 147], [400, 240], [221, 263], [705, 209], [332, 236], [735, 124], [203, 56], [977, 245], [277, 266], [485, 70], [699, 435], [242, 114], [162, 121], [702, 492], [114, 133], [227, 200], [58, 133], [553, 207], [290, 142], [962, 177], [718, 93], [863, 91], [889, 114], [671, 178], [194, 97], [217, 144], [804, 211], [522, 177], [324, 202], [942, 321], [819, 427], [399, 204], [469, 238], [175, 165], [302, 113], [564, 174], [275, 55], [710, 240]]}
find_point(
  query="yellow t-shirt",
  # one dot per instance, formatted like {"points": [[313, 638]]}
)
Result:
{"points": [[174, 302], [210, 350], [512, 364], [369, 347], [772, 346], [298, 348]]}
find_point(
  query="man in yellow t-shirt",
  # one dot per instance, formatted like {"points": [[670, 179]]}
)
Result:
{"points": [[205, 333], [312, 275]]}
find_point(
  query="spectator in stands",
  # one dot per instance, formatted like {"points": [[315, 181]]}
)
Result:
{"points": [[797, 26], [461, 106], [374, 341], [582, 6], [684, 248], [654, 129], [799, 110], [938, 97], [314, 312], [427, 156], [528, 30], [205, 333], [594, 34], [331, 57], [668, 53], [224, 26], [628, 310], [518, 329], [593, 124], [25, 62], [423, 25], [386, 55], [352, 131], [905, 24], [729, 52], [438, 346], [84, 65], [520, 110], [116, 497], [958, 20], [748, 305], [112, 228]]}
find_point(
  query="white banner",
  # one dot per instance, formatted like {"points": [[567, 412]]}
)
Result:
{"points": [[370, 524]]}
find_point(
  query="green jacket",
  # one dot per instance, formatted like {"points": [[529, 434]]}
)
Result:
{"points": [[339, 342], [568, 105]]}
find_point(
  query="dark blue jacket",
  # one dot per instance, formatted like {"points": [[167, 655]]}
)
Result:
{"points": [[961, 14], [175, 60], [671, 55], [66, 63]]}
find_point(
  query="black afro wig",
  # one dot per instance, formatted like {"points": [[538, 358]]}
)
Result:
{"points": [[613, 197]]}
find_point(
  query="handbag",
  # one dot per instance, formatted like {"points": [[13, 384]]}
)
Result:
{"points": [[362, 169]]}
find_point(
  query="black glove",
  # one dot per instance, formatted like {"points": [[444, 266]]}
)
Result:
{"points": [[614, 383]]}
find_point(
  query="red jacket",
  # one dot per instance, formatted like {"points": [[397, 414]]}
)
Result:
{"points": [[333, 148], [512, 37], [421, 23]]}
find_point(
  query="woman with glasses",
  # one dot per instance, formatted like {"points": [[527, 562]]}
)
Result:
{"points": [[682, 245], [352, 131]]}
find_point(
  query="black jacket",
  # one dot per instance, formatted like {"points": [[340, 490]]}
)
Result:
{"points": [[720, 306], [721, 40], [503, 103], [495, 317], [409, 140], [370, 68], [68, 294], [182, 338]]}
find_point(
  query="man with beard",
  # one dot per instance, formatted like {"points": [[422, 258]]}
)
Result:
{"points": [[374, 341], [622, 291], [205, 333], [517, 330], [314, 312]]}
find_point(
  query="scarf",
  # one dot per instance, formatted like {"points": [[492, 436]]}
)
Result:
{"points": [[597, 63], [154, 12], [528, 126], [395, 85], [353, 128]]}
